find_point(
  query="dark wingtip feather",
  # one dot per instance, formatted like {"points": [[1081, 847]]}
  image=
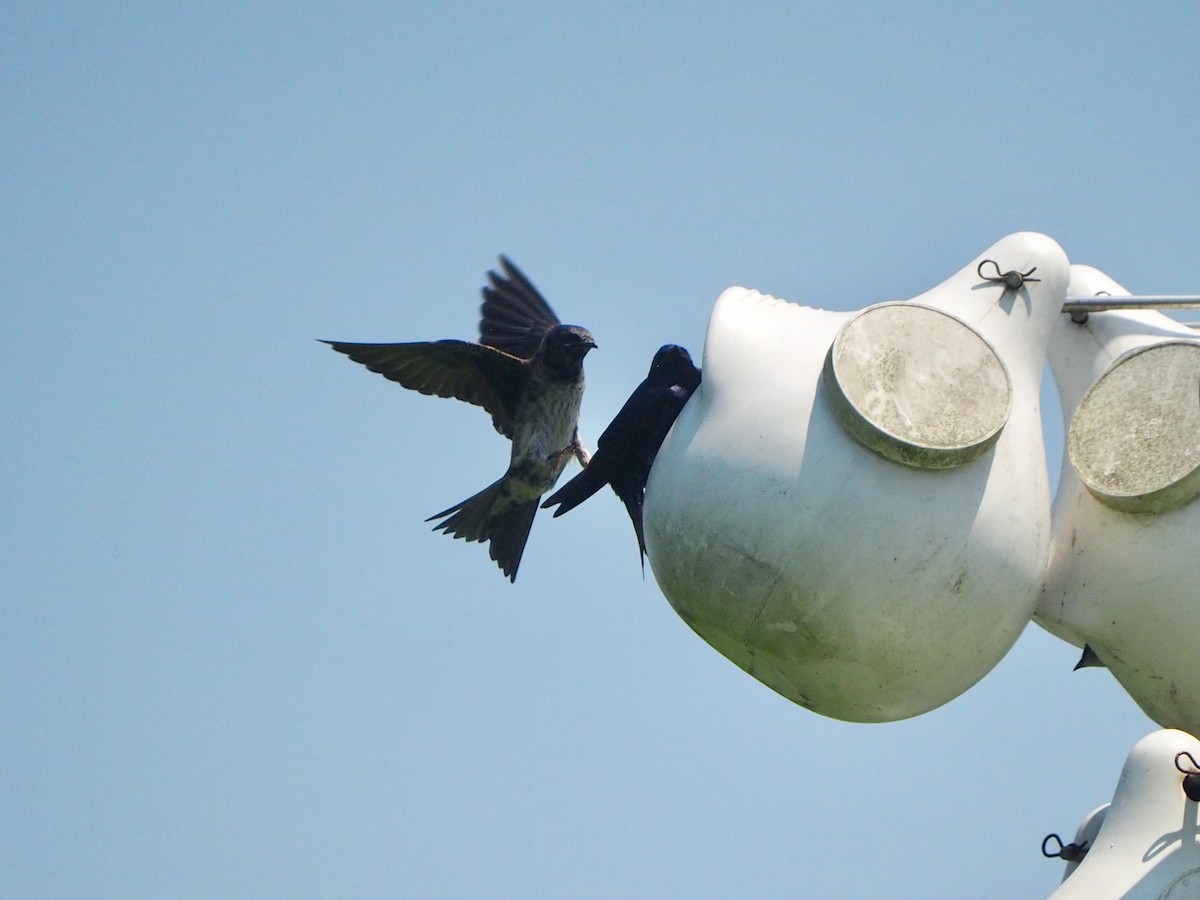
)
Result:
{"points": [[514, 316], [584, 485]]}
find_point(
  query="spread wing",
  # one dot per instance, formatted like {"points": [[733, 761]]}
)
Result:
{"points": [[514, 316], [471, 372]]}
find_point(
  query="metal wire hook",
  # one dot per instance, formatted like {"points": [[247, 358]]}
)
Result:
{"points": [[1070, 852], [1012, 279], [1191, 777]]}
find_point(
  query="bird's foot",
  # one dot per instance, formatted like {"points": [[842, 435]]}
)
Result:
{"points": [[576, 449], [556, 457], [581, 452]]}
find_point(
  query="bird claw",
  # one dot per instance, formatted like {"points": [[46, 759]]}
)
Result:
{"points": [[574, 448], [580, 451]]}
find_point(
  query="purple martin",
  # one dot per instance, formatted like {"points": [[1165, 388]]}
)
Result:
{"points": [[527, 374], [626, 449]]}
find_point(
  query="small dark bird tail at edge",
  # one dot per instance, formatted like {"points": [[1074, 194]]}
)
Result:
{"points": [[506, 531], [1089, 659]]}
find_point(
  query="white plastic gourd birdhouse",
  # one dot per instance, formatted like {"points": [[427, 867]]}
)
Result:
{"points": [[854, 506], [1146, 847], [1122, 575]]}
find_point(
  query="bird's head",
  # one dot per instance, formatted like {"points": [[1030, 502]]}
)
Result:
{"points": [[564, 347], [672, 364]]}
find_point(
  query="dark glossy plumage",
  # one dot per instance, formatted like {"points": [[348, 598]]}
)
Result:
{"points": [[527, 374], [627, 448], [514, 316], [476, 374]]}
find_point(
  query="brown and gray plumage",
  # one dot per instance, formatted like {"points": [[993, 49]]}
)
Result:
{"points": [[527, 374]]}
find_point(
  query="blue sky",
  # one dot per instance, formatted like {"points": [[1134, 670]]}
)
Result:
{"points": [[236, 662]]}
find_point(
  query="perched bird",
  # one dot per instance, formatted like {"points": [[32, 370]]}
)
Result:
{"points": [[527, 373], [627, 448]]}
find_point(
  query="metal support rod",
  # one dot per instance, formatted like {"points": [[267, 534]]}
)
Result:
{"points": [[1135, 301]]}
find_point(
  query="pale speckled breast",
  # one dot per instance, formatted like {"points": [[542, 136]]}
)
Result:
{"points": [[543, 425]]}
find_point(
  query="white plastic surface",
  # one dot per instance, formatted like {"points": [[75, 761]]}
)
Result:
{"points": [[858, 587], [1124, 583], [917, 385], [1134, 439], [1085, 834], [1147, 845]]}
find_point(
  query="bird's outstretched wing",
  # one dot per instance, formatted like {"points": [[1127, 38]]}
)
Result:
{"points": [[480, 375], [514, 317]]}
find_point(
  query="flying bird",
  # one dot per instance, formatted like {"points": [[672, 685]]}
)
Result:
{"points": [[527, 374], [626, 449]]}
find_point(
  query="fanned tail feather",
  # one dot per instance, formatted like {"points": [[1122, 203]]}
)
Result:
{"points": [[506, 530]]}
